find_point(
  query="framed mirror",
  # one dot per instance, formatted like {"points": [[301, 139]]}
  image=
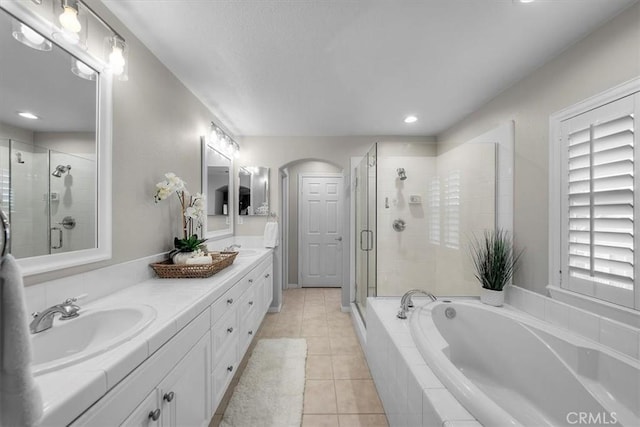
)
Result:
{"points": [[217, 186], [253, 192], [55, 147]]}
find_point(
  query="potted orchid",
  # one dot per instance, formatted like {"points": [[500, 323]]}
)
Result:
{"points": [[192, 213]]}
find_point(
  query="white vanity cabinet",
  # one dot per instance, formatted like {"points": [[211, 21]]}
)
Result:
{"points": [[183, 382]]}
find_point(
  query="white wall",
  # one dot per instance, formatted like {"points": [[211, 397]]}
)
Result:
{"points": [[606, 58]]}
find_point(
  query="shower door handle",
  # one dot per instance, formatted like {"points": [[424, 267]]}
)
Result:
{"points": [[369, 242], [59, 230], [362, 248]]}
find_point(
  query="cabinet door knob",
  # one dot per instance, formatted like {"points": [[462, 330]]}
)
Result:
{"points": [[230, 301], [230, 329], [230, 368], [250, 302], [155, 415], [266, 276], [250, 280], [169, 396], [250, 332]]}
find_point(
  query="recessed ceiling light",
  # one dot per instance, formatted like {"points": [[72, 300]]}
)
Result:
{"points": [[524, 1], [410, 119], [28, 115]]}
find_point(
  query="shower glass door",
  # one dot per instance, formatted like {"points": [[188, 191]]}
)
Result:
{"points": [[365, 230]]}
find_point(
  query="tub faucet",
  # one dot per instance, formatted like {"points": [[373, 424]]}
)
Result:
{"points": [[231, 248], [44, 320], [406, 303]]}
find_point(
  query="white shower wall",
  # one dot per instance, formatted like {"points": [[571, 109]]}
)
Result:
{"points": [[456, 200]]}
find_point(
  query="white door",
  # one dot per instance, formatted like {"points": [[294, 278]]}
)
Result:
{"points": [[320, 225]]}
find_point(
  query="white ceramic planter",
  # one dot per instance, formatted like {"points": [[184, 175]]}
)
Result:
{"points": [[491, 297]]}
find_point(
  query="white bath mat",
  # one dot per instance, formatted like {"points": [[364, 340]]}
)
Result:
{"points": [[271, 389]]}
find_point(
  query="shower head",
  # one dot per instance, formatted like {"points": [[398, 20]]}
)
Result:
{"points": [[401, 174], [60, 169]]}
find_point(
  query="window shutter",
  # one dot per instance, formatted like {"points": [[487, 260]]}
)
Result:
{"points": [[600, 210]]}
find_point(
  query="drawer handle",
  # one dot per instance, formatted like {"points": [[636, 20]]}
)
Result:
{"points": [[169, 396], [155, 415], [250, 302], [266, 276], [250, 332], [230, 301], [230, 368], [250, 280], [230, 329]]}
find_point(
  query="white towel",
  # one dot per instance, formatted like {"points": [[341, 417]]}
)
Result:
{"points": [[271, 235], [20, 400]]}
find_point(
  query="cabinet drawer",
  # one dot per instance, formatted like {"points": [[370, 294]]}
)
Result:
{"points": [[224, 332], [249, 303], [225, 303], [223, 373], [143, 415]]}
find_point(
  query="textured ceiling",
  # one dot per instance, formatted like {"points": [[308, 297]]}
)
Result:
{"points": [[293, 67]]}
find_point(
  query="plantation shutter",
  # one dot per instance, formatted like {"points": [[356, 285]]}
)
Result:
{"points": [[600, 202]]}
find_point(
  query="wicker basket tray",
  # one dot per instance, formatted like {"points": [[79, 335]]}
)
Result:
{"points": [[169, 270]]}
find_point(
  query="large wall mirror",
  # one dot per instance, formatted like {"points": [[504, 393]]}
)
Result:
{"points": [[217, 186], [253, 193], [54, 149]]}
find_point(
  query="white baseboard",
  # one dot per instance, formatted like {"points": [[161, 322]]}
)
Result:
{"points": [[358, 325]]}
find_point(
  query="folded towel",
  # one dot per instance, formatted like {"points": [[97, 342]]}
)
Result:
{"points": [[20, 400], [271, 235], [200, 260]]}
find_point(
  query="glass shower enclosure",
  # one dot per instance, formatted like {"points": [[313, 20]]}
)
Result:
{"points": [[366, 245]]}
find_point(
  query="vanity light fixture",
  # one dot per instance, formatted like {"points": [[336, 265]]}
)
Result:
{"points": [[28, 115], [82, 70], [410, 119], [28, 37], [224, 141], [69, 16], [118, 54]]}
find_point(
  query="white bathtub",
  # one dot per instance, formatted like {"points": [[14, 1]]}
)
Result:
{"points": [[508, 368]]}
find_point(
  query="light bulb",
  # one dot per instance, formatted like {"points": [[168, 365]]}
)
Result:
{"points": [[116, 60], [410, 119], [84, 68], [31, 35], [69, 19]]}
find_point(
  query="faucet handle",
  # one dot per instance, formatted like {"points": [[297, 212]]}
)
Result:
{"points": [[76, 298]]}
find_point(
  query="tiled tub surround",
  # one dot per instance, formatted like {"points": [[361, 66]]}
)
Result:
{"points": [[179, 304], [413, 395], [611, 333]]}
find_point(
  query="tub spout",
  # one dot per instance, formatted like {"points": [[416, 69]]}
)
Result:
{"points": [[406, 303]]}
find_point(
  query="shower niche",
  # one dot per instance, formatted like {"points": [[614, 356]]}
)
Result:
{"points": [[49, 196]]}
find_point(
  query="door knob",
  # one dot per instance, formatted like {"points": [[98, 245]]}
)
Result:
{"points": [[339, 239]]}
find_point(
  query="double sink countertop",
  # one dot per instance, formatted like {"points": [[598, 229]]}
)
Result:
{"points": [[69, 391]]}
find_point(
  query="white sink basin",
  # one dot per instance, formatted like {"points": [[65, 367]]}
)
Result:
{"points": [[247, 252], [92, 333]]}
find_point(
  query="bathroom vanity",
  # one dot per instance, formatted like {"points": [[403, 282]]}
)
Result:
{"points": [[176, 370]]}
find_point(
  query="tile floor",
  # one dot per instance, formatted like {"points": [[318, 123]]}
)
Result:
{"points": [[339, 390]]}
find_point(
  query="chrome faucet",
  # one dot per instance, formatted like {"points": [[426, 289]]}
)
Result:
{"points": [[406, 303], [44, 320], [230, 248]]}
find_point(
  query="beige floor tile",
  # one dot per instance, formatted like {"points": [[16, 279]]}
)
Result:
{"points": [[319, 397], [325, 420], [357, 397], [314, 328], [350, 367], [318, 345], [319, 367], [286, 331], [363, 420], [314, 315], [344, 345]]}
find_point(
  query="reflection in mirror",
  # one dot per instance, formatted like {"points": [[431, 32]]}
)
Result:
{"points": [[253, 195], [216, 185], [48, 125]]}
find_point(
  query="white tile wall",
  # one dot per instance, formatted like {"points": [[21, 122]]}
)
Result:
{"points": [[618, 336]]}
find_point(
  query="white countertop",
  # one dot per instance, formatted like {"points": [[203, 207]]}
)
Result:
{"points": [[70, 391]]}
